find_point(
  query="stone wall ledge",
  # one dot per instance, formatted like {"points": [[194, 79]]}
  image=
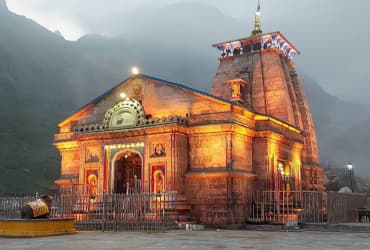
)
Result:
{"points": [[93, 128], [219, 172]]}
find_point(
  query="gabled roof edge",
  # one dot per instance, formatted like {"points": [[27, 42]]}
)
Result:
{"points": [[186, 87], [179, 85]]}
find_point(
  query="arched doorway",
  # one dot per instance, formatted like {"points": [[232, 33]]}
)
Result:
{"points": [[127, 172]]}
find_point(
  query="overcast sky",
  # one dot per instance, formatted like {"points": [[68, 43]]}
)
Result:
{"points": [[75, 18], [333, 35]]}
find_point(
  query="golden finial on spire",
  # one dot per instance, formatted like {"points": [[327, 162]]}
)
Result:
{"points": [[257, 22]]}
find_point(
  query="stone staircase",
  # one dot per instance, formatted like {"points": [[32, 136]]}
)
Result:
{"points": [[182, 215]]}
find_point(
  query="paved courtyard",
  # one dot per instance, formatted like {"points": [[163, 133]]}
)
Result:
{"points": [[197, 240]]}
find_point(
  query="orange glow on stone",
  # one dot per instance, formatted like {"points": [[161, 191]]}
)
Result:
{"points": [[283, 124]]}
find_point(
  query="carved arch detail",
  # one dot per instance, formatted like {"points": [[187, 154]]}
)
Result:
{"points": [[126, 113]]}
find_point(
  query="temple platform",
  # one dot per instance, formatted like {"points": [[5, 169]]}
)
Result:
{"points": [[36, 227]]}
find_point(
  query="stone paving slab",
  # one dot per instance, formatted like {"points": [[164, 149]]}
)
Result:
{"points": [[341, 227], [198, 240]]}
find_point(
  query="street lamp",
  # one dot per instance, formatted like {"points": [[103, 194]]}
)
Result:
{"points": [[135, 70], [123, 95], [350, 166]]}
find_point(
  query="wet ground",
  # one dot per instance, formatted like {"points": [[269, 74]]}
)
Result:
{"points": [[198, 240]]}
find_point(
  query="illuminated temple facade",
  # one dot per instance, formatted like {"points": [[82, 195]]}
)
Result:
{"points": [[253, 131]]}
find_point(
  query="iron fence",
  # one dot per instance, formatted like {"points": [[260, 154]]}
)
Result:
{"points": [[115, 212], [10, 206], [106, 212], [275, 206], [312, 207], [80, 189], [159, 211], [343, 207]]}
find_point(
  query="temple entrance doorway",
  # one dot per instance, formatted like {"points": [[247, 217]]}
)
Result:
{"points": [[128, 169]]}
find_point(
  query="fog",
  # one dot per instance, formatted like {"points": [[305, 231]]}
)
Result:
{"points": [[331, 34]]}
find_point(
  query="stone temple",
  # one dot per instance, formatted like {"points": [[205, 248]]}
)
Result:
{"points": [[252, 131]]}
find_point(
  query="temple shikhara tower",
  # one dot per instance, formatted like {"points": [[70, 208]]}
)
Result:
{"points": [[252, 132]]}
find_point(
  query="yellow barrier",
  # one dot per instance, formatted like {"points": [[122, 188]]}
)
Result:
{"points": [[36, 227]]}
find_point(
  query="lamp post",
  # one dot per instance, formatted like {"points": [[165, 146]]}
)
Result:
{"points": [[135, 70], [350, 166]]}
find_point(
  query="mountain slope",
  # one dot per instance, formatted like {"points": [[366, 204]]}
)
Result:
{"points": [[342, 128], [42, 80]]}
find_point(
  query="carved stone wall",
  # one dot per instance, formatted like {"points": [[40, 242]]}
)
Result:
{"points": [[242, 152], [276, 91], [219, 198], [181, 162], [70, 161], [207, 150]]}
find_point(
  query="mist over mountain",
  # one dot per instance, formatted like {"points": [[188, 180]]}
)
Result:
{"points": [[3, 5], [45, 78], [342, 128]]}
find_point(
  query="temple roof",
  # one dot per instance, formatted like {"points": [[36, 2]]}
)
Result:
{"points": [[186, 87], [177, 85], [259, 116]]}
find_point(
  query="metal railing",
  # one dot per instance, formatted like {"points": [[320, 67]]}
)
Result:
{"points": [[10, 206], [80, 189], [311, 207], [115, 212], [158, 211], [275, 206], [342, 207], [106, 212]]}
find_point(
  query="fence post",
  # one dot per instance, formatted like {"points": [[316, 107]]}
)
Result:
{"points": [[71, 202], [103, 219]]}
